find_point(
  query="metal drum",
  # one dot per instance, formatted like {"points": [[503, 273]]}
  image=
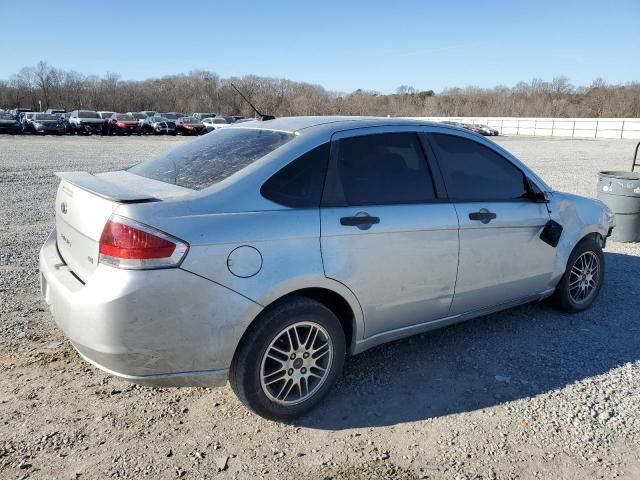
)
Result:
{"points": [[620, 191]]}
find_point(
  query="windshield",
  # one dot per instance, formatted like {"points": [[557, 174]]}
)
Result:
{"points": [[106, 114], [45, 116], [6, 116], [172, 116], [138, 116], [88, 115], [212, 158], [190, 120], [125, 117]]}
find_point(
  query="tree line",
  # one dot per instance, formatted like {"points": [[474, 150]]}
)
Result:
{"points": [[44, 86]]}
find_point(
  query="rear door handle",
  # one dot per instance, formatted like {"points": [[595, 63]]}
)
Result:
{"points": [[484, 216], [359, 221]]}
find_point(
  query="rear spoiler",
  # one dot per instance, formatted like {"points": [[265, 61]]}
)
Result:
{"points": [[103, 188]]}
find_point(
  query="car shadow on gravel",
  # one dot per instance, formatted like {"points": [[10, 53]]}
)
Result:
{"points": [[488, 361]]}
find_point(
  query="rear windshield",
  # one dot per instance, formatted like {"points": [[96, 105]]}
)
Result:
{"points": [[210, 159], [125, 117]]}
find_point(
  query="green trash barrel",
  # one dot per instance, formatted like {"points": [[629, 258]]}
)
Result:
{"points": [[620, 191]]}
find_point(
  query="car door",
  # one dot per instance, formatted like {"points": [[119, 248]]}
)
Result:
{"points": [[502, 258], [385, 233]]}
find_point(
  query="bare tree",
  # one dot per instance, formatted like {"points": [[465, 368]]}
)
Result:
{"points": [[205, 91]]}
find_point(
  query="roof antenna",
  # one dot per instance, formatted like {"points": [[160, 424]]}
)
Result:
{"points": [[262, 117]]}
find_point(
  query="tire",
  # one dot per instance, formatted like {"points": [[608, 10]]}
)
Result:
{"points": [[256, 378], [569, 289]]}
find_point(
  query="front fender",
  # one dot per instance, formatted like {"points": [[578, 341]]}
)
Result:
{"points": [[579, 217]]}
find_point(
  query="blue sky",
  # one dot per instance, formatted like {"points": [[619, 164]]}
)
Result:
{"points": [[340, 45]]}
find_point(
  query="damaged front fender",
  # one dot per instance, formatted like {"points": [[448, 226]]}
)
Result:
{"points": [[579, 217]]}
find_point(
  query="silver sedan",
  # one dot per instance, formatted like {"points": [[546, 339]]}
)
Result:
{"points": [[266, 251]]}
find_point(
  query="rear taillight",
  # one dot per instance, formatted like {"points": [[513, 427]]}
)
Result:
{"points": [[125, 243]]}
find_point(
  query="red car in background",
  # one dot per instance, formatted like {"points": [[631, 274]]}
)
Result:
{"points": [[124, 124], [190, 126]]}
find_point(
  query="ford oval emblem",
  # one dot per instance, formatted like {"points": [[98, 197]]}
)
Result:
{"points": [[63, 207]]}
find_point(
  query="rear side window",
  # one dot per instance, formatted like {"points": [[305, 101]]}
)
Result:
{"points": [[387, 168], [299, 184], [473, 172], [210, 159]]}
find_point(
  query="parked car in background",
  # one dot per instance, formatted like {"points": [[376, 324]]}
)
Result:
{"points": [[202, 116], [190, 126], [173, 115], [263, 254], [84, 122], [139, 116], [47, 123], [106, 116], [124, 124], [17, 111], [214, 123], [452, 123], [25, 120], [9, 124], [158, 125], [486, 130]]}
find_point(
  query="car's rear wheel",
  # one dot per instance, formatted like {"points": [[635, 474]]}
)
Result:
{"points": [[582, 279], [289, 360]]}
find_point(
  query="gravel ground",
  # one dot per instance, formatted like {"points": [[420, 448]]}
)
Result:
{"points": [[526, 393]]}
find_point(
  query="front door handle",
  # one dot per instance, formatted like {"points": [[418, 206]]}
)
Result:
{"points": [[484, 215], [363, 221]]}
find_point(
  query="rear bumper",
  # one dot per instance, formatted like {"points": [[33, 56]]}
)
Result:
{"points": [[155, 327]]}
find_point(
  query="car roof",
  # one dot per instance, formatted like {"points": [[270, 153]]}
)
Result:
{"points": [[298, 124]]}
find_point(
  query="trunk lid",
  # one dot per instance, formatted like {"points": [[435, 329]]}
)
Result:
{"points": [[85, 202]]}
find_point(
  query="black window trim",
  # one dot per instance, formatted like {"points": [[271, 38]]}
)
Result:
{"points": [[324, 180], [427, 138], [333, 195]]}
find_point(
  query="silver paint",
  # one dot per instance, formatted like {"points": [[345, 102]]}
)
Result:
{"points": [[422, 267]]}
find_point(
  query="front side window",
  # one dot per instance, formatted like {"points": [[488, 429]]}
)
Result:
{"points": [[210, 159], [387, 168], [299, 184], [474, 172]]}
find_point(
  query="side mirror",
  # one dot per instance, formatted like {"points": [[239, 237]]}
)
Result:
{"points": [[534, 192]]}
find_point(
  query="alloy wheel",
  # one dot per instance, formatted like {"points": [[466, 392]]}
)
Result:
{"points": [[296, 363], [584, 277]]}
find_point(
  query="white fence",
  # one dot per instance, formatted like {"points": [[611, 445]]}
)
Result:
{"points": [[557, 127]]}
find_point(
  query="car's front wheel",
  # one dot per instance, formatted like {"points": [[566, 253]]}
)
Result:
{"points": [[582, 279], [289, 359]]}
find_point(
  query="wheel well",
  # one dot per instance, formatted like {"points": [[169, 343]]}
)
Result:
{"points": [[595, 236], [330, 299], [334, 302]]}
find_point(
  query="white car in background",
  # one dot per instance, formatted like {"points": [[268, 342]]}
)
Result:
{"points": [[214, 123]]}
